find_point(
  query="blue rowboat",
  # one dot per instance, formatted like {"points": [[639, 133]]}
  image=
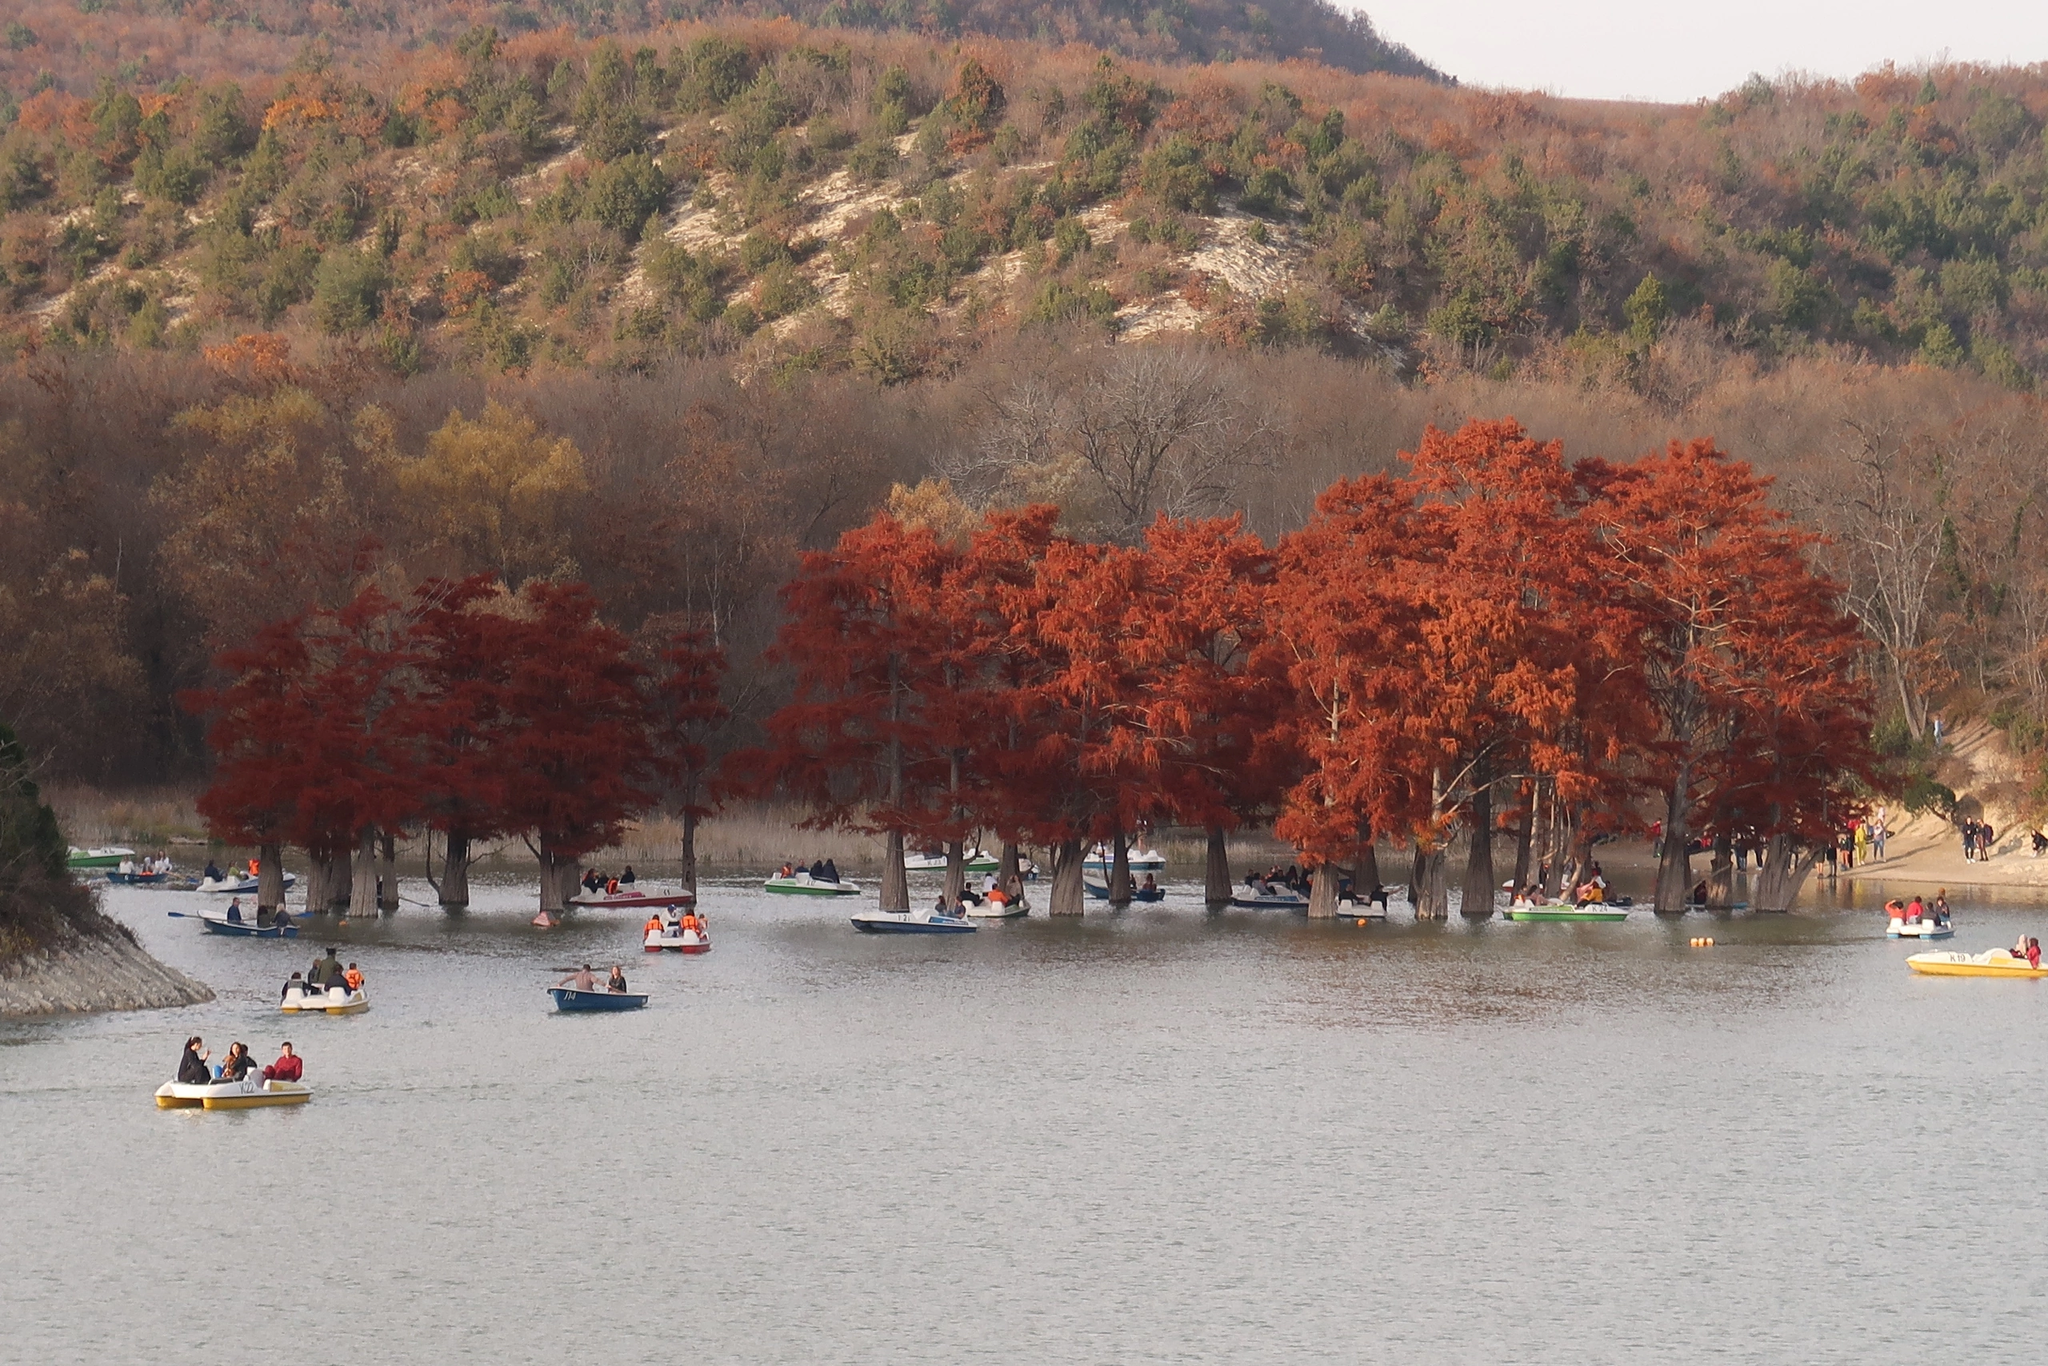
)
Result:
{"points": [[121, 879], [569, 998], [220, 924], [1101, 892], [911, 922]]}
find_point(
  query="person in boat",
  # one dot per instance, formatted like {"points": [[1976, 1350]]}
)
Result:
{"points": [[616, 984], [817, 870], [653, 925], [212, 872], [1013, 891], [253, 866], [1251, 879], [1590, 893], [127, 868], [192, 1068], [788, 870], [590, 882], [235, 911], [353, 978], [611, 887], [1915, 909], [1151, 883], [1699, 893], [988, 884], [831, 871], [1941, 906], [583, 979], [281, 918], [690, 921], [326, 972], [626, 879], [237, 1064], [295, 982], [939, 906], [1895, 909], [288, 1067], [2034, 954], [994, 896]]}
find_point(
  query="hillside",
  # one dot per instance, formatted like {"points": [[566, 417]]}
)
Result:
{"points": [[881, 202]]}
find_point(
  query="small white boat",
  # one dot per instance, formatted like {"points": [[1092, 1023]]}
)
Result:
{"points": [[677, 937], [236, 886], [1924, 928], [1271, 899], [977, 861], [803, 884], [999, 910], [107, 856], [638, 898], [1102, 858], [250, 1093], [911, 922], [333, 1001]]}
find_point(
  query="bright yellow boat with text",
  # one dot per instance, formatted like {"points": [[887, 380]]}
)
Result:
{"points": [[1996, 963]]}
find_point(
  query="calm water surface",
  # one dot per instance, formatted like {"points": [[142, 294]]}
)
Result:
{"points": [[1157, 1136]]}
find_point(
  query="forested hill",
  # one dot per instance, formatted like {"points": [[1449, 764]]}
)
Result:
{"points": [[883, 202]]}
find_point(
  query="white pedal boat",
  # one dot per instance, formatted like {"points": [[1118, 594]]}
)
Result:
{"points": [[250, 1093], [1102, 860], [1272, 899], [678, 938], [1923, 928], [333, 1001], [236, 886], [638, 898], [977, 861], [1000, 910], [803, 884]]}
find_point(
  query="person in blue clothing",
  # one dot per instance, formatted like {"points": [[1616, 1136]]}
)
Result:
{"points": [[235, 911]]}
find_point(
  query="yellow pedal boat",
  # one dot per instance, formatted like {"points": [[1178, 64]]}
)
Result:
{"points": [[252, 1093], [1996, 963]]}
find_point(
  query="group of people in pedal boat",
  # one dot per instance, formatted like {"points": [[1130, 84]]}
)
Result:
{"points": [[689, 920], [821, 870], [585, 979], [194, 1071], [326, 972], [992, 893], [1591, 891], [2028, 948], [1915, 911], [595, 882]]}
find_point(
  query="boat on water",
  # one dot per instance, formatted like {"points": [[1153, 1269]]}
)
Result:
{"points": [[121, 879], [333, 1001], [634, 898], [1101, 859], [803, 884], [1924, 928], [1996, 963], [978, 861], [237, 886], [912, 922], [991, 909], [1271, 899], [1100, 891], [108, 856], [250, 1093], [576, 999], [217, 922], [678, 937], [1564, 911]]}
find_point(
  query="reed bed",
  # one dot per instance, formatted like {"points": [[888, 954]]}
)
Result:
{"points": [[144, 817]]}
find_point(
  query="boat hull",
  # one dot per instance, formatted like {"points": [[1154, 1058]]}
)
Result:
{"points": [[978, 861], [688, 941], [252, 1094], [247, 929], [121, 879], [569, 999], [1269, 902], [802, 885], [1008, 910], [911, 922], [1918, 929], [238, 886], [97, 858], [1565, 915], [1101, 893], [1997, 963], [643, 901], [324, 1003]]}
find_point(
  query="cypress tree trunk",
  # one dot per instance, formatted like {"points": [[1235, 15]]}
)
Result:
{"points": [[956, 871], [1721, 873], [1555, 837], [1322, 892], [895, 881], [1365, 869], [1476, 899], [387, 874], [1429, 890], [269, 881], [455, 875], [1010, 866], [1067, 857], [1120, 871], [1216, 871], [690, 852], [1782, 867], [362, 892], [550, 880], [1674, 870], [1525, 835]]}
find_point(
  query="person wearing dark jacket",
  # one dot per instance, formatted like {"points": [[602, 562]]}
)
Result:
{"points": [[327, 972], [192, 1070], [295, 980], [237, 1064]]}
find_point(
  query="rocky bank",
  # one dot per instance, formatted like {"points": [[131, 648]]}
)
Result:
{"points": [[90, 970]]}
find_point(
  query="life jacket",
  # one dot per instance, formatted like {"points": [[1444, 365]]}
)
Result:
{"points": [[252, 867], [654, 924], [354, 978], [612, 888]]}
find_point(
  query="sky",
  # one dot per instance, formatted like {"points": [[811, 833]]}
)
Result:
{"points": [[1659, 50]]}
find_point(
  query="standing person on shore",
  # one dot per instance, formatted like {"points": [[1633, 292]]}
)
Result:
{"points": [[1986, 837], [1862, 842], [1969, 841]]}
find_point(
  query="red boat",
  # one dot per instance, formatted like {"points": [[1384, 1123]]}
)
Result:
{"points": [[626, 896]]}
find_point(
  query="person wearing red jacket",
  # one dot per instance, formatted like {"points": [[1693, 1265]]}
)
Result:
{"points": [[288, 1067]]}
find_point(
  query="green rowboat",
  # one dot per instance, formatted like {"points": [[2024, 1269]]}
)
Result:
{"points": [[1569, 913], [803, 884], [97, 858]]}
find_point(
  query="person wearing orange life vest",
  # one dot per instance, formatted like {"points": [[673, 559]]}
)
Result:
{"points": [[611, 887], [653, 925], [252, 867], [353, 978]]}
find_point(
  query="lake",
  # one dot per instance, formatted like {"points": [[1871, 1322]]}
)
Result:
{"points": [[1162, 1135]]}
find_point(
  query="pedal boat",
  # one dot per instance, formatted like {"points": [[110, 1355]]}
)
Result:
{"points": [[1101, 860], [250, 1093], [1563, 911], [634, 898], [569, 999], [236, 886], [912, 922], [1274, 899], [1996, 963], [1923, 928], [678, 938], [803, 884], [977, 861], [333, 1001], [1000, 910], [1100, 891], [108, 857]]}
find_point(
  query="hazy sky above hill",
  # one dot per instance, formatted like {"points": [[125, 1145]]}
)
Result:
{"points": [[1626, 49]]}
